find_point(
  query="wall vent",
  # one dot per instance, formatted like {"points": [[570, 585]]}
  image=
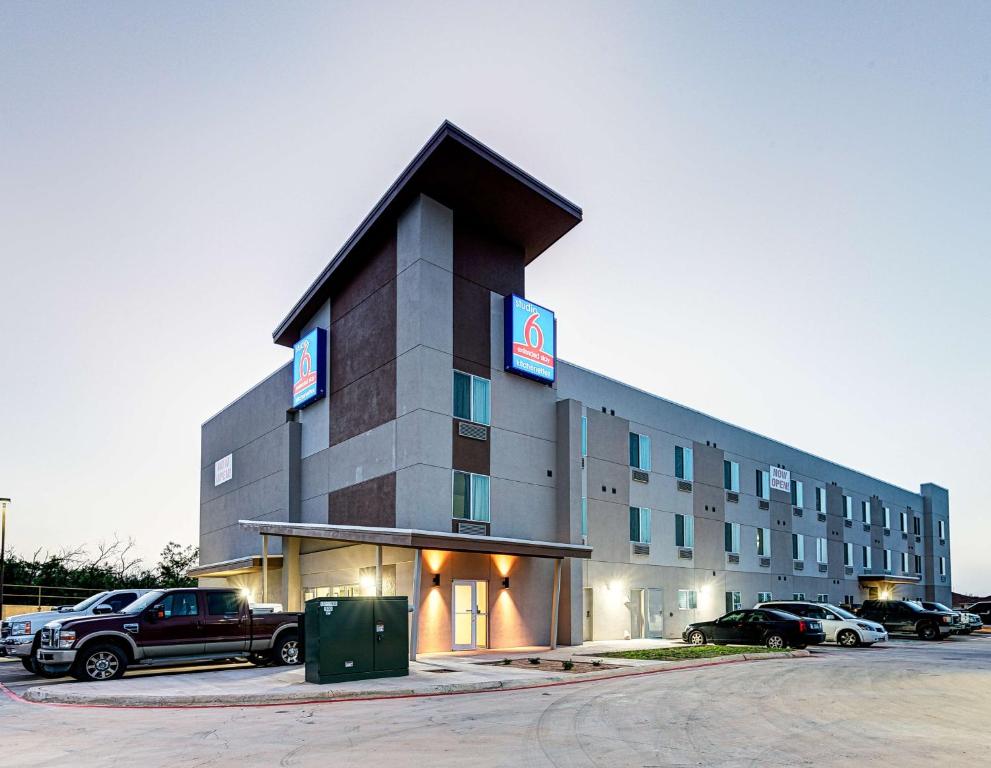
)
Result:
{"points": [[684, 485], [918, 539], [471, 528], [799, 565], [797, 512], [472, 431], [732, 557], [823, 568], [848, 523], [640, 476], [887, 531], [685, 554], [764, 562], [733, 496], [764, 504], [848, 570], [942, 542], [821, 517], [867, 527], [640, 549]]}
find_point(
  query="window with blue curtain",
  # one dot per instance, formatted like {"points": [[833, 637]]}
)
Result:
{"points": [[584, 516], [640, 525], [731, 475], [472, 398], [462, 495], [684, 531], [640, 451], [584, 436], [480, 497], [462, 395], [683, 463]]}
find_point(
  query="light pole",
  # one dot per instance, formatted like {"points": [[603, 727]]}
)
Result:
{"points": [[3, 547]]}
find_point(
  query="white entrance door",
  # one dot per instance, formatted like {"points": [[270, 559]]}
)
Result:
{"points": [[470, 614], [655, 613]]}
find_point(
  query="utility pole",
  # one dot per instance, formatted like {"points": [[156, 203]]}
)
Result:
{"points": [[3, 547]]}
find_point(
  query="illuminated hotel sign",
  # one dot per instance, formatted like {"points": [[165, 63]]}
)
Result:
{"points": [[530, 339], [309, 378]]}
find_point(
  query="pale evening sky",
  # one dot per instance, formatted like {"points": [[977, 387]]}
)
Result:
{"points": [[786, 221]]}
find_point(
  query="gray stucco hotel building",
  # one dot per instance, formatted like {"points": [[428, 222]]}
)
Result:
{"points": [[425, 440]]}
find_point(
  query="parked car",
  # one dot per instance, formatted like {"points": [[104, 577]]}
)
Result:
{"points": [[970, 620], [22, 633], [775, 629], [841, 626], [982, 609], [958, 627], [907, 617], [167, 627]]}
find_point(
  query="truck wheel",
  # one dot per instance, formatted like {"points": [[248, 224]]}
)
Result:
{"points": [[848, 639], [28, 663], [286, 650], [929, 632], [100, 662]]}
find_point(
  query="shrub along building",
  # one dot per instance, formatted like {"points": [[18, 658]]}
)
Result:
{"points": [[425, 440]]}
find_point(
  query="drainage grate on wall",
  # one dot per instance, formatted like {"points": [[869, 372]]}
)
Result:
{"points": [[472, 431]]}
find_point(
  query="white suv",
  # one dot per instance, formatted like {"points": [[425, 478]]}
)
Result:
{"points": [[841, 627]]}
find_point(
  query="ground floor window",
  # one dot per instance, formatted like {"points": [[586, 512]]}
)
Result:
{"points": [[822, 598], [798, 596], [341, 590], [734, 601], [687, 599], [764, 597]]}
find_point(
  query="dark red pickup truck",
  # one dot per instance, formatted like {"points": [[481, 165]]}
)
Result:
{"points": [[168, 626]]}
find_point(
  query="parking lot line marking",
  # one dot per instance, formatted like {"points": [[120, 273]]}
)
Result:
{"points": [[311, 702]]}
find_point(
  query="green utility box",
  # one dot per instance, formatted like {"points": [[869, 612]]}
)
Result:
{"points": [[356, 638]]}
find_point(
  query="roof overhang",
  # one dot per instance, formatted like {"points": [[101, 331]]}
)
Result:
{"points": [[460, 172], [877, 578], [237, 567], [411, 538]]}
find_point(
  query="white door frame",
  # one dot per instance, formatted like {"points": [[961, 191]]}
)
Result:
{"points": [[473, 583]]}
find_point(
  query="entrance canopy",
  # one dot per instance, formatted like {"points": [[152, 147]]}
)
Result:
{"points": [[413, 538], [874, 579], [238, 567]]}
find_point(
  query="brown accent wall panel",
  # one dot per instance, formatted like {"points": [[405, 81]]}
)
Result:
{"points": [[363, 404], [486, 260], [364, 339], [371, 503], [469, 455], [472, 327], [376, 267]]}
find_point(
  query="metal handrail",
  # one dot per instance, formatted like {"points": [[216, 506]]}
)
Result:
{"points": [[43, 595]]}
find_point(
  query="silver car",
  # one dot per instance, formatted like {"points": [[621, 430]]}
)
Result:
{"points": [[21, 634]]}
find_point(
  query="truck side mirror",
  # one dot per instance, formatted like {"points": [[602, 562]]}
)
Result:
{"points": [[103, 609], [155, 613]]}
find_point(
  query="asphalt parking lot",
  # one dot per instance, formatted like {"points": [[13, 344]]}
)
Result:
{"points": [[905, 702]]}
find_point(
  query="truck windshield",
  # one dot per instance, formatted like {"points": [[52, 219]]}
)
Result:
{"points": [[89, 601], [937, 607], [143, 602]]}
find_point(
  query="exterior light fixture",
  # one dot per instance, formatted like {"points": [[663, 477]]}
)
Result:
{"points": [[435, 580], [505, 582]]}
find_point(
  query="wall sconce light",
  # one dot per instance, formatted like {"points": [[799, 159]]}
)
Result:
{"points": [[436, 580], [505, 583]]}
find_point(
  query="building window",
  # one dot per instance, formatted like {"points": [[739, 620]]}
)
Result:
{"points": [[471, 398], [903, 522], [797, 493], [640, 525], [797, 546], [941, 527], [584, 522], [763, 542], [887, 518], [764, 597], [731, 476], [822, 597], [797, 595], [734, 601], [904, 562], [822, 555], [640, 451], [684, 531], [687, 600], [731, 535], [848, 553], [762, 485], [916, 526], [471, 496], [887, 561], [848, 508], [866, 553], [865, 511], [820, 499], [584, 436], [942, 566], [918, 563], [684, 463]]}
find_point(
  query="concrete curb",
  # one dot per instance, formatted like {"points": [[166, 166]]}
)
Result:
{"points": [[58, 695]]}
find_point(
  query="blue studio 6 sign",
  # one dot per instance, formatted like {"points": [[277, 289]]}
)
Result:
{"points": [[309, 378], [530, 340]]}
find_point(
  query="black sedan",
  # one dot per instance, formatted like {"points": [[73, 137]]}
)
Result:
{"points": [[775, 629]]}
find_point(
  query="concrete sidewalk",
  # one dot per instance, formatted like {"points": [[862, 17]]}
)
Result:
{"points": [[433, 674]]}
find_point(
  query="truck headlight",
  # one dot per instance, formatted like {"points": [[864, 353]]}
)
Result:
{"points": [[947, 619], [65, 638], [20, 628]]}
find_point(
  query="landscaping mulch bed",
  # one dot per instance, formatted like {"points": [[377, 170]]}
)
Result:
{"points": [[679, 653], [552, 665]]}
